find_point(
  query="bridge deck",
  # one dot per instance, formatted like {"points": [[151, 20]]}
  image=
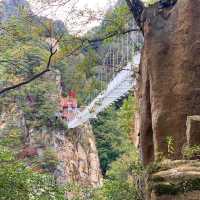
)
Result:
{"points": [[117, 88]]}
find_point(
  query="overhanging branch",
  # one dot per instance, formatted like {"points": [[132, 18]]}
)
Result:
{"points": [[136, 7], [32, 78], [52, 52], [110, 35]]}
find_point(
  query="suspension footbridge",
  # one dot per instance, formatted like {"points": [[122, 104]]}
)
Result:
{"points": [[116, 89], [119, 86]]}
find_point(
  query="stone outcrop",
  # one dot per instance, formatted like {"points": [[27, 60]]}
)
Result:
{"points": [[71, 155], [169, 86], [176, 180], [193, 130], [195, 195], [78, 157], [75, 149]]}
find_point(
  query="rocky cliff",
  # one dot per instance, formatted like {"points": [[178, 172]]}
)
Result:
{"points": [[78, 157], [70, 155], [28, 120], [169, 76]]}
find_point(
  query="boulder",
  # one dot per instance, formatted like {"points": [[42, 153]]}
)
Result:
{"points": [[176, 180]]}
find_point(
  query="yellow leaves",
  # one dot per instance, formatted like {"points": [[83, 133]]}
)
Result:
{"points": [[14, 134], [12, 78], [118, 18], [150, 2], [59, 56]]}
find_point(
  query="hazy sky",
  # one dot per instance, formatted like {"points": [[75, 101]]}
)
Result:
{"points": [[70, 13]]}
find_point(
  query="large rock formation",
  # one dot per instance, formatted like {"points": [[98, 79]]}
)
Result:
{"points": [[169, 86], [69, 154]]}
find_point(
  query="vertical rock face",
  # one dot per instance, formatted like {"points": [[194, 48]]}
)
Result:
{"points": [[193, 130], [78, 157], [75, 150], [169, 86], [71, 155]]}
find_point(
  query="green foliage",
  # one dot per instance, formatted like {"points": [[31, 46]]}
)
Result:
{"points": [[170, 146], [108, 137], [116, 20], [165, 188], [111, 190], [19, 182], [118, 190], [78, 192], [50, 160], [112, 131], [125, 119], [22, 52], [43, 108], [118, 17], [191, 152], [124, 173], [127, 165], [78, 71], [11, 139]]}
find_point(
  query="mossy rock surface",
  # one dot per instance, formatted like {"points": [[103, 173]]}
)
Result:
{"points": [[182, 177], [169, 188]]}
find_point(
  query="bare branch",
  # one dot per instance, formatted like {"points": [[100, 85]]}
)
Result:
{"points": [[110, 35], [136, 7], [32, 78], [84, 42]]}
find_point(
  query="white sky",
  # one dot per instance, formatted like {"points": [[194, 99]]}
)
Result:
{"points": [[70, 13], [78, 15]]}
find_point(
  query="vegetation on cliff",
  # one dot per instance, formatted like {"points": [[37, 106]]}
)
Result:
{"points": [[40, 62], [28, 54]]}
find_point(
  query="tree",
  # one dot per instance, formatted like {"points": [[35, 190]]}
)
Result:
{"points": [[112, 131], [17, 181], [70, 44], [21, 62]]}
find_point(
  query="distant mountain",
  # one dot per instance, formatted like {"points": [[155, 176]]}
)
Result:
{"points": [[10, 8]]}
